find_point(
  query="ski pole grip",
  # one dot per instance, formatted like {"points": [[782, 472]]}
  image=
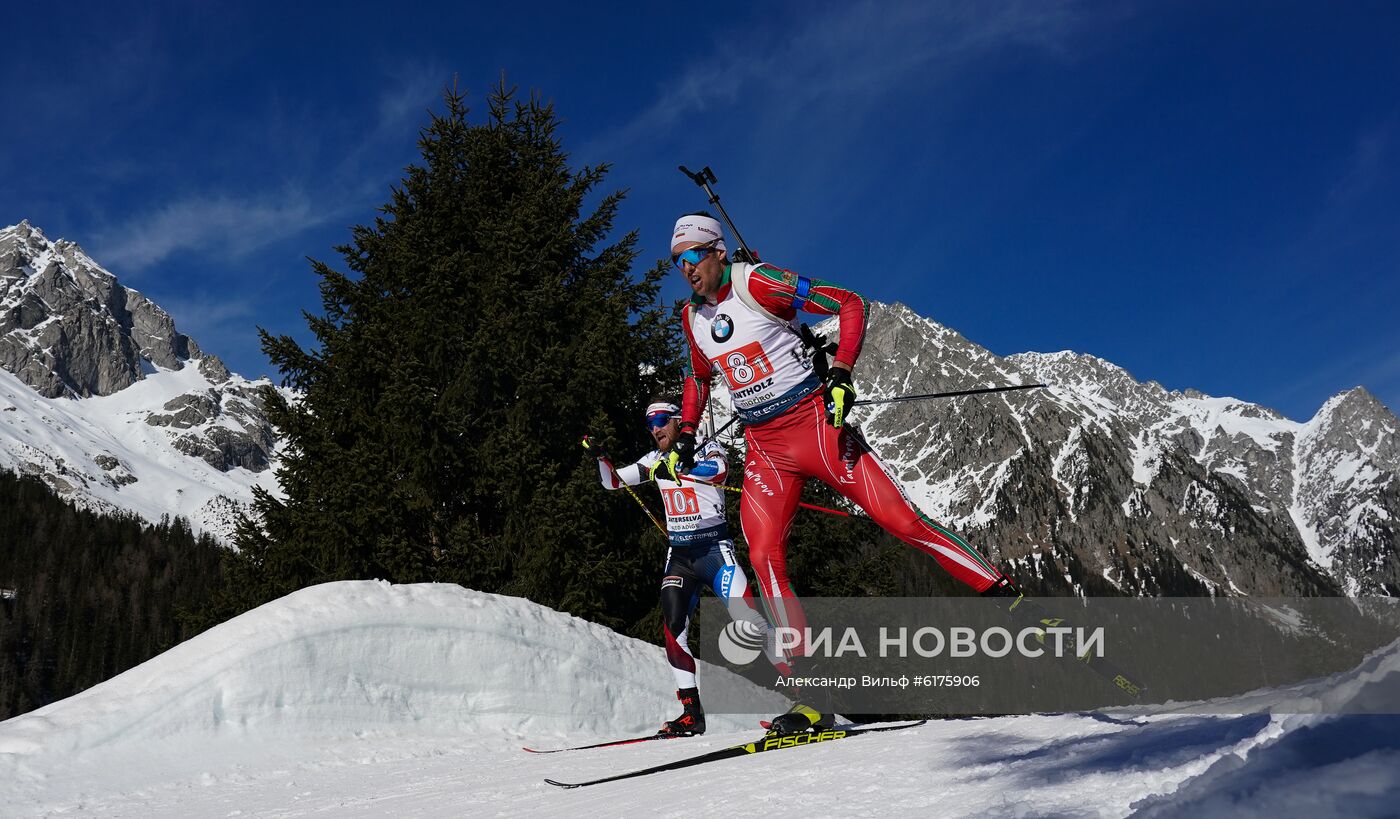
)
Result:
{"points": [[594, 448], [703, 178]]}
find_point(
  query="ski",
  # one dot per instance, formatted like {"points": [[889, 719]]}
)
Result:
{"points": [[758, 746], [610, 744], [1129, 684]]}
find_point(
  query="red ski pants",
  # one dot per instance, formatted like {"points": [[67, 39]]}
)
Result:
{"points": [[799, 444]]}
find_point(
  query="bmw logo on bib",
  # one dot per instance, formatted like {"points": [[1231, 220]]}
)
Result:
{"points": [[722, 328]]}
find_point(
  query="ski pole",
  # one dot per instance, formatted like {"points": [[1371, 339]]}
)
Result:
{"points": [[704, 179], [820, 347], [828, 510], [716, 433], [645, 508], [953, 394], [812, 506], [927, 396]]}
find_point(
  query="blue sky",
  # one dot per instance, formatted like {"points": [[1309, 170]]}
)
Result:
{"points": [[1206, 194]]}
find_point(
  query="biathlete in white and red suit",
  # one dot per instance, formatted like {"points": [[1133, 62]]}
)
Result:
{"points": [[701, 554], [742, 323]]}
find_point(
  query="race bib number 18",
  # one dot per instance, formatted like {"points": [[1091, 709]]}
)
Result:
{"points": [[745, 365]]}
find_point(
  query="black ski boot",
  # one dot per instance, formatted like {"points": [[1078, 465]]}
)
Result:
{"points": [[692, 721], [799, 720], [1003, 587]]}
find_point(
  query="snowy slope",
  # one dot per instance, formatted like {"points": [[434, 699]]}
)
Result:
{"points": [[106, 401], [102, 452], [365, 699]]}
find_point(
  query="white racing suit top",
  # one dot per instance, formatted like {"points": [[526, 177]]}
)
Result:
{"points": [[765, 365], [694, 507]]}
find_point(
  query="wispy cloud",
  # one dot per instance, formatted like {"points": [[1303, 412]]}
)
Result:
{"points": [[1382, 378], [227, 226], [1367, 166], [415, 87], [1353, 210], [202, 315], [1375, 367], [114, 79], [234, 225], [843, 56]]}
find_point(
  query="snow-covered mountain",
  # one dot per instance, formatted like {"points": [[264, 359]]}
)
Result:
{"points": [[105, 400], [1100, 479], [1110, 479], [366, 699]]}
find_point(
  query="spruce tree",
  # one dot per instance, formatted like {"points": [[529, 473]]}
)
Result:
{"points": [[484, 326]]}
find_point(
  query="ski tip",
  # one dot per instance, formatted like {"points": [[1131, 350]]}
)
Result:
{"points": [[900, 725], [562, 784], [532, 750]]}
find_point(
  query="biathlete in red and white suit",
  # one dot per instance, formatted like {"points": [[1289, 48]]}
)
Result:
{"points": [[741, 323], [701, 554]]}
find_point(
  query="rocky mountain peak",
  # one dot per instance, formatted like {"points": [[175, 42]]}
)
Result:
{"points": [[1357, 421], [1067, 367], [1110, 385], [149, 423], [22, 232], [69, 328], [916, 344]]}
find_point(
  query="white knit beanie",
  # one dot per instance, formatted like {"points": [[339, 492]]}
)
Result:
{"points": [[696, 228]]}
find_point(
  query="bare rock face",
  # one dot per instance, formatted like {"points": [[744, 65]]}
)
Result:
{"points": [[118, 475], [68, 328], [189, 410], [219, 444], [213, 369]]}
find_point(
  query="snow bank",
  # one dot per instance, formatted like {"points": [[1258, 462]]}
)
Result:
{"points": [[365, 658], [367, 700]]}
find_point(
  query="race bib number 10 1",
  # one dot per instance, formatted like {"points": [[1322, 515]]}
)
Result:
{"points": [[681, 501]]}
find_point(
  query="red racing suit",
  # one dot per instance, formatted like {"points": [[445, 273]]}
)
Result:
{"points": [[748, 334]]}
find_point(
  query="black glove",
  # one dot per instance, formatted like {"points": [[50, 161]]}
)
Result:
{"points": [[678, 461], [840, 395], [594, 448]]}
